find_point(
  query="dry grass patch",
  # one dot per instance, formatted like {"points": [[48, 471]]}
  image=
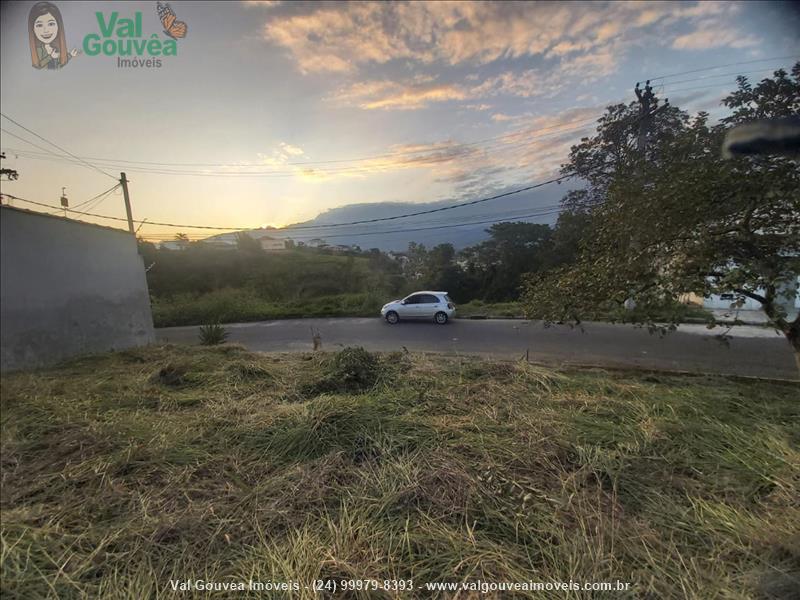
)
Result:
{"points": [[123, 471]]}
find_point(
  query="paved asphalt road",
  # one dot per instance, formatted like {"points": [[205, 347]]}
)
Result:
{"points": [[753, 351]]}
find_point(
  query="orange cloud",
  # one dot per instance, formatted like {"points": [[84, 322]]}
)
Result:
{"points": [[341, 38], [370, 95], [714, 37]]}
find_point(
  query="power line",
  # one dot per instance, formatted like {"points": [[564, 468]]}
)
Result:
{"points": [[430, 228], [91, 166], [694, 87], [747, 62], [367, 168], [114, 162], [93, 203], [435, 210], [85, 202], [47, 150], [304, 227], [705, 77], [412, 229]]}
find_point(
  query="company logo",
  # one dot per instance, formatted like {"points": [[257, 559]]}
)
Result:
{"points": [[117, 35], [172, 27], [47, 38]]}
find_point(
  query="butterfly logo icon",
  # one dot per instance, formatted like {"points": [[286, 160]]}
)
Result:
{"points": [[172, 27]]}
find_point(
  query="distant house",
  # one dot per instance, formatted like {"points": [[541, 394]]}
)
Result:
{"points": [[317, 243], [223, 244], [271, 244], [173, 245], [398, 256], [788, 296]]}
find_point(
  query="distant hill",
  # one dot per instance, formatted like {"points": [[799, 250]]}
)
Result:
{"points": [[386, 235]]}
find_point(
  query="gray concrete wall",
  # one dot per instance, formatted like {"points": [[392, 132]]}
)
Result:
{"points": [[68, 288]]}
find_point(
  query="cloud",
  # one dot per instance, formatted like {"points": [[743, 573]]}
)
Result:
{"points": [[281, 155], [714, 37], [548, 82], [534, 150], [371, 95], [712, 25], [422, 91], [328, 37], [501, 117]]}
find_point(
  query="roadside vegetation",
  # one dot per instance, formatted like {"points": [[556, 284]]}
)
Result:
{"points": [[202, 285], [240, 306], [670, 215], [205, 284], [123, 471]]}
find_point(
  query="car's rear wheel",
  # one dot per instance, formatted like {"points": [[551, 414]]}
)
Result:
{"points": [[392, 318], [440, 318]]}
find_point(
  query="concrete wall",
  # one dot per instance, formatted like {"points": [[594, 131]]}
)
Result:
{"points": [[68, 288]]}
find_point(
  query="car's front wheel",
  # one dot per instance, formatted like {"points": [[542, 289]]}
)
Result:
{"points": [[391, 317], [440, 318]]}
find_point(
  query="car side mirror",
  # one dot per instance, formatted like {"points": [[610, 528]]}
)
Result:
{"points": [[402, 302]]}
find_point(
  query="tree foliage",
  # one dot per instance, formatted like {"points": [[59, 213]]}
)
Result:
{"points": [[9, 174], [682, 218]]}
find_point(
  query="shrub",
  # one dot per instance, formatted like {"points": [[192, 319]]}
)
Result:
{"points": [[355, 368], [212, 334], [351, 370]]}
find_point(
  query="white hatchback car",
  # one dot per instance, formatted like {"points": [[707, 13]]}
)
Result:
{"points": [[420, 305]]}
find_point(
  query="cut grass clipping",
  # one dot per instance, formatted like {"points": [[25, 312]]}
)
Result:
{"points": [[125, 471]]}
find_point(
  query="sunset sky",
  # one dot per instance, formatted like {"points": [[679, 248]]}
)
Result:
{"points": [[274, 112]]}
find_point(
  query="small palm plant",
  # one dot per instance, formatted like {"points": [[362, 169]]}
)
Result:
{"points": [[213, 334]]}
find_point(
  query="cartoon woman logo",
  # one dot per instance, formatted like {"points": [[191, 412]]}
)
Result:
{"points": [[46, 33]]}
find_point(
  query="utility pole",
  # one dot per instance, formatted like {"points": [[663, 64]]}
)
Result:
{"points": [[648, 108], [123, 181]]}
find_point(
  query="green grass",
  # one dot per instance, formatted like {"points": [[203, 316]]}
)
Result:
{"points": [[240, 305], [489, 310], [117, 478]]}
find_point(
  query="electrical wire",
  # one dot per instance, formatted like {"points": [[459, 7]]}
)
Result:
{"points": [[705, 77], [747, 62], [326, 226], [523, 132], [108, 191], [91, 166], [525, 144], [95, 202], [448, 226]]}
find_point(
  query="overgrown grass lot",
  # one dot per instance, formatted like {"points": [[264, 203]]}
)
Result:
{"points": [[124, 471], [241, 305]]}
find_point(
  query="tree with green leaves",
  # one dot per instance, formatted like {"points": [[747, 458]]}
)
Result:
{"points": [[682, 219], [498, 264], [247, 244]]}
